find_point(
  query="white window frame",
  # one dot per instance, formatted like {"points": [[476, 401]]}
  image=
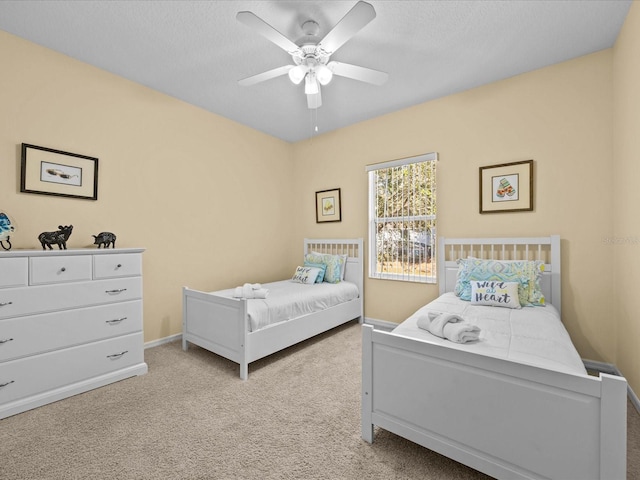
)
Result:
{"points": [[373, 220]]}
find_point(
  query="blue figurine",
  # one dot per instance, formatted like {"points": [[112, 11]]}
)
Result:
{"points": [[5, 230]]}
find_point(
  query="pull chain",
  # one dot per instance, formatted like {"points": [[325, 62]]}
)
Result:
{"points": [[313, 122]]}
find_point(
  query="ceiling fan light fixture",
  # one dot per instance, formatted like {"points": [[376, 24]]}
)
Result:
{"points": [[297, 74], [311, 84], [311, 55], [324, 74]]}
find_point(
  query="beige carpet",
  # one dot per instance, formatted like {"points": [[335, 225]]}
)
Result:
{"points": [[191, 417]]}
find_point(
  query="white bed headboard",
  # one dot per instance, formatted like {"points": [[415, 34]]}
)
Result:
{"points": [[546, 249], [352, 247]]}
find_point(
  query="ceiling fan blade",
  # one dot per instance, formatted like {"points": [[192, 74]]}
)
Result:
{"points": [[268, 75], [263, 28], [363, 74], [355, 19], [314, 100]]}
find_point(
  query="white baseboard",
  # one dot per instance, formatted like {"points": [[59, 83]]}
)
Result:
{"points": [[381, 324], [612, 370], [162, 341]]}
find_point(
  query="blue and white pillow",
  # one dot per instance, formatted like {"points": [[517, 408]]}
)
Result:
{"points": [[321, 266], [344, 261], [334, 263], [526, 272], [495, 293], [306, 275]]}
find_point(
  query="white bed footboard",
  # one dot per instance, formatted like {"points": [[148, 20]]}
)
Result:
{"points": [[502, 418], [218, 324]]}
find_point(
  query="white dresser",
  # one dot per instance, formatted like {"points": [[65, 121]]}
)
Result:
{"points": [[70, 321]]}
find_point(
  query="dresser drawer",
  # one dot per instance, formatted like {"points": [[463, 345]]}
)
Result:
{"points": [[60, 369], [23, 301], [58, 269], [14, 272], [23, 336], [118, 265]]}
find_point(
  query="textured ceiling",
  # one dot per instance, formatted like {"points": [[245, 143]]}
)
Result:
{"points": [[196, 50]]}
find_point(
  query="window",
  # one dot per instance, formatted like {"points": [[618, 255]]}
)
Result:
{"points": [[402, 219]]}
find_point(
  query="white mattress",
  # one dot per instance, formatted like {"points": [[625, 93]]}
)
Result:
{"points": [[531, 335], [287, 300]]}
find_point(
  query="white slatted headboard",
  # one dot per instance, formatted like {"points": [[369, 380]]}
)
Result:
{"points": [[352, 247], [546, 249]]}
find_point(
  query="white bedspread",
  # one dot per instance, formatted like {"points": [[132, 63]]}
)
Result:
{"points": [[531, 335], [288, 300]]}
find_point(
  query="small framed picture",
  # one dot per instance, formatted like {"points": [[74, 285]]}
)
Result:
{"points": [[507, 187], [328, 207], [53, 172]]}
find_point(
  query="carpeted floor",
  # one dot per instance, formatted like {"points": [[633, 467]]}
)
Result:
{"points": [[191, 417]]}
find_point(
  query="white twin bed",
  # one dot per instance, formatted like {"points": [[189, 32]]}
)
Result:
{"points": [[516, 404], [245, 330]]}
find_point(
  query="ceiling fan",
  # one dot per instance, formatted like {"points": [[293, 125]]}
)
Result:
{"points": [[311, 57]]}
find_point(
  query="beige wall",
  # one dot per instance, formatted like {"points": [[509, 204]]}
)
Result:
{"points": [[187, 185], [558, 116], [626, 197]]}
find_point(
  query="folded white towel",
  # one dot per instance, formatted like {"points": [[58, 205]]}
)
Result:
{"points": [[461, 332], [248, 291], [449, 326], [423, 322]]}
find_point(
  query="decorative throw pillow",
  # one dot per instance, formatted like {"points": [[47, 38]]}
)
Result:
{"points": [[532, 270], [305, 275], [525, 272], [344, 261], [344, 265], [497, 294], [333, 274], [321, 266]]}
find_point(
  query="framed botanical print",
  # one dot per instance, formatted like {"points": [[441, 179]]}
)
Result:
{"points": [[328, 208], [507, 187]]}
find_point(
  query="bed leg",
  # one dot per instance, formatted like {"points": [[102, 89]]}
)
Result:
{"points": [[613, 424], [367, 381], [367, 432], [244, 371], [185, 345]]}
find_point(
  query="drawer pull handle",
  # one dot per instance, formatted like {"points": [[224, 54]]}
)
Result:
{"points": [[6, 340], [5, 303], [119, 265], [119, 290], [115, 320], [117, 355], [8, 383], [63, 269]]}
